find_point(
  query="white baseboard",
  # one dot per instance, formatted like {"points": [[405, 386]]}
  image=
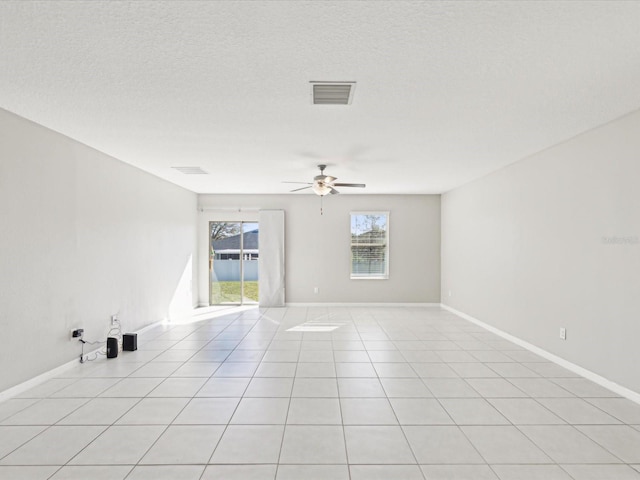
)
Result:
{"points": [[343, 304], [43, 377], [594, 377], [367, 304]]}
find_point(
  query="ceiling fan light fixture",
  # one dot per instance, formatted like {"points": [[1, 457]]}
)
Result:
{"points": [[321, 189]]}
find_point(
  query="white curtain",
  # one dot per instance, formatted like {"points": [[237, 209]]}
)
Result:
{"points": [[271, 259]]}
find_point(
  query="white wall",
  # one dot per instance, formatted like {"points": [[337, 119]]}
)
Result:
{"points": [[83, 236], [317, 252], [525, 250]]}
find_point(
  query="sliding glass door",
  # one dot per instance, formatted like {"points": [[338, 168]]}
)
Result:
{"points": [[233, 262]]}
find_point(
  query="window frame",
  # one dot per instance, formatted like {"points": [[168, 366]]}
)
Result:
{"points": [[385, 275]]}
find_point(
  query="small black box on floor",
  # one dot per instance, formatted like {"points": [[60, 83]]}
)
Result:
{"points": [[130, 342], [112, 347]]}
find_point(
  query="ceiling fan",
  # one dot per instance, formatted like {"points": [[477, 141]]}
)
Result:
{"points": [[324, 184]]}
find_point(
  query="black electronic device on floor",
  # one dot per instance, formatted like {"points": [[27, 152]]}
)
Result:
{"points": [[112, 347], [130, 342]]}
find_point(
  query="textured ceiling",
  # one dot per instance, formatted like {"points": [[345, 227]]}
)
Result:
{"points": [[446, 91]]}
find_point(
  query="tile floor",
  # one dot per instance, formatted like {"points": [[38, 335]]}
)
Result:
{"points": [[321, 393]]}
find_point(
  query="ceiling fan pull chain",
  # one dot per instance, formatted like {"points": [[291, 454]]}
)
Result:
{"points": [[321, 197]]}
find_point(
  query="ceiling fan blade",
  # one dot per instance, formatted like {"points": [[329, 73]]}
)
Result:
{"points": [[334, 191], [329, 179], [298, 189], [303, 183], [359, 185]]}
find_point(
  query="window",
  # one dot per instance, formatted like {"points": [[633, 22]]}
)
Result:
{"points": [[370, 245]]}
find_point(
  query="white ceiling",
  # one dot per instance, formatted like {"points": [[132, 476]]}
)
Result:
{"points": [[446, 91]]}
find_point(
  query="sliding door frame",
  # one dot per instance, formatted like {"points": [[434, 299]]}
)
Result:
{"points": [[241, 223]]}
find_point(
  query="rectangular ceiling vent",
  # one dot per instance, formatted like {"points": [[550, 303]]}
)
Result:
{"points": [[191, 170], [332, 93]]}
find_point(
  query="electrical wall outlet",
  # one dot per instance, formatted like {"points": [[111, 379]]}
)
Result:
{"points": [[315, 289], [563, 333], [76, 334], [114, 319]]}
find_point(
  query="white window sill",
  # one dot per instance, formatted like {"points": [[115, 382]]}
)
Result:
{"points": [[377, 277]]}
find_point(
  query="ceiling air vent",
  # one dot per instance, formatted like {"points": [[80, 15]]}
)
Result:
{"points": [[191, 170], [332, 93]]}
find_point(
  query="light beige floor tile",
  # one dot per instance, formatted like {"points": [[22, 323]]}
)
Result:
{"points": [[239, 472], [313, 472], [261, 411], [525, 411], [583, 388], [166, 472], [601, 472], [530, 472], [441, 445], [132, 387], [420, 411], [385, 356], [27, 472], [184, 444], [54, 446], [502, 444], [405, 388], [621, 440], [207, 411], [565, 444], [367, 411], [314, 411], [316, 370], [360, 387], [576, 411], [315, 387], [434, 370], [196, 369], [351, 356], [377, 445], [12, 437], [450, 388], [458, 472], [473, 411], [622, 409], [249, 444], [93, 472], [224, 387], [14, 405], [512, 370], [47, 388], [540, 388], [385, 472], [154, 411], [270, 387], [394, 370], [473, 370], [313, 444], [495, 388], [281, 356], [355, 370], [120, 445], [45, 412], [315, 356], [100, 411], [236, 369]]}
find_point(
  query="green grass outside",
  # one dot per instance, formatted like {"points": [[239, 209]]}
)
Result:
{"points": [[229, 292]]}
